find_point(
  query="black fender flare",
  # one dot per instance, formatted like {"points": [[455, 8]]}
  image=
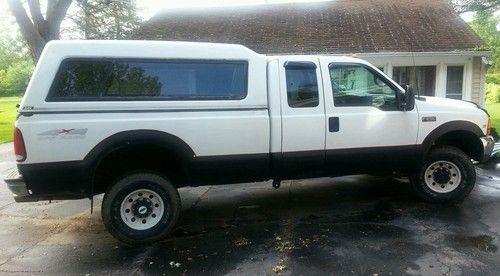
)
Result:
{"points": [[136, 137], [447, 127]]}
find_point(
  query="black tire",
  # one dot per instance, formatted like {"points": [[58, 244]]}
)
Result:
{"points": [[129, 184], [460, 191]]}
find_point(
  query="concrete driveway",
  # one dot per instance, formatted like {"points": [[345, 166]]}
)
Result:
{"points": [[349, 225]]}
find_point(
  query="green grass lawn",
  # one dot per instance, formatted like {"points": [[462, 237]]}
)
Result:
{"points": [[494, 111], [8, 112]]}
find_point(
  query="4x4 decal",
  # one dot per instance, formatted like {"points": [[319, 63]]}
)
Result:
{"points": [[64, 133]]}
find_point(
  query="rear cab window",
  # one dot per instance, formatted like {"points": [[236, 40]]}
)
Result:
{"points": [[301, 84], [132, 79]]}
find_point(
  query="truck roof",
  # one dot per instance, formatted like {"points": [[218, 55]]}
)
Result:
{"points": [[145, 49], [160, 49]]}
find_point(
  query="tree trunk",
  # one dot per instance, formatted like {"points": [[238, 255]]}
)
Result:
{"points": [[37, 30]]}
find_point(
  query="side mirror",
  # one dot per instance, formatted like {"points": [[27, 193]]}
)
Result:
{"points": [[407, 101]]}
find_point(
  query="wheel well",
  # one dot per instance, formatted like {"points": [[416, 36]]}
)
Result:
{"points": [[139, 157], [464, 140]]}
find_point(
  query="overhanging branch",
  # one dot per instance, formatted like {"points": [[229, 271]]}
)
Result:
{"points": [[36, 13], [30, 34]]}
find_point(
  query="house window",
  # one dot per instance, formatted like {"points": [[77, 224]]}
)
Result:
{"points": [[421, 78], [454, 82]]}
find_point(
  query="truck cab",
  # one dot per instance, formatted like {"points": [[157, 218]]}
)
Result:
{"points": [[346, 116]]}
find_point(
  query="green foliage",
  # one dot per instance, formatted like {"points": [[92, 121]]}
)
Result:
{"points": [[480, 48], [494, 111], [106, 19], [14, 80], [493, 77], [493, 87], [492, 93], [485, 24], [8, 112], [462, 6], [16, 67]]}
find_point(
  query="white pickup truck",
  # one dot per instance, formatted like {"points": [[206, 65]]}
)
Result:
{"points": [[138, 119]]}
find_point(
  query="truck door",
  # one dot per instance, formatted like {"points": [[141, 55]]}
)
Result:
{"points": [[366, 128], [303, 116]]}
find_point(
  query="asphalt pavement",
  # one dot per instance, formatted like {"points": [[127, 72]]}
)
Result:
{"points": [[348, 225]]}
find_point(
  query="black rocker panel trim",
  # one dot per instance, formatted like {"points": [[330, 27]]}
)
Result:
{"points": [[302, 164], [227, 169], [67, 180], [372, 160]]}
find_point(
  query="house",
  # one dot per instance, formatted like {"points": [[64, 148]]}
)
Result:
{"points": [[423, 43]]}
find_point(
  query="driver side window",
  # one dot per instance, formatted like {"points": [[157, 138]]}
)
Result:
{"points": [[357, 85]]}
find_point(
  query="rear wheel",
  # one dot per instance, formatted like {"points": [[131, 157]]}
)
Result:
{"points": [[141, 208], [447, 176]]}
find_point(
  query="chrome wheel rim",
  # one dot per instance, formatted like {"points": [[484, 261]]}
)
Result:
{"points": [[142, 209], [442, 176]]}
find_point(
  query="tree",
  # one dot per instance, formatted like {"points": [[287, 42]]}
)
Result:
{"points": [[485, 25], [14, 80], [16, 67], [36, 29], [94, 19], [106, 19], [462, 6]]}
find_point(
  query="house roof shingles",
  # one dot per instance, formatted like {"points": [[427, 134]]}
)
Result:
{"points": [[339, 26]]}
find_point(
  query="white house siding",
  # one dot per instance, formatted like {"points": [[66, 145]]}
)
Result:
{"points": [[474, 69], [478, 80]]}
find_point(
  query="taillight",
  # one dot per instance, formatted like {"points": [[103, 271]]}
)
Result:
{"points": [[19, 148]]}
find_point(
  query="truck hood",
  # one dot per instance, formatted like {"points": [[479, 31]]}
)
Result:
{"points": [[449, 103]]}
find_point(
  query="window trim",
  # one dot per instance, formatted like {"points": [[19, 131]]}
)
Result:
{"points": [[464, 75], [297, 65], [51, 98], [398, 91]]}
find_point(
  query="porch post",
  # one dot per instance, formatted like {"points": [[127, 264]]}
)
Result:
{"points": [[440, 80]]}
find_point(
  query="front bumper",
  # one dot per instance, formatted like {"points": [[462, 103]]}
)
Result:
{"points": [[17, 185], [488, 145]]}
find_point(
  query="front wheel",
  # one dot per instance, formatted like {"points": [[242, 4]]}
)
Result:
{"points": [[447, 176], [141, 208]]}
